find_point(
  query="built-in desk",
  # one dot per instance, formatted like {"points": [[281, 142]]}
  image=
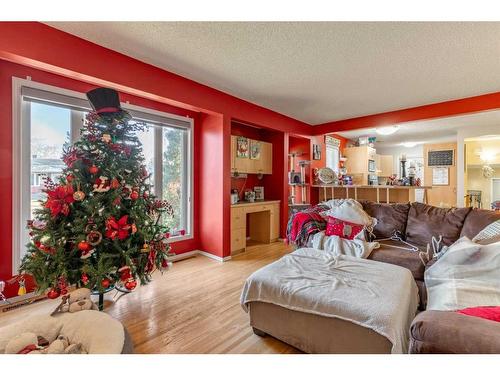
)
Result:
{"points": [[262, 218]]}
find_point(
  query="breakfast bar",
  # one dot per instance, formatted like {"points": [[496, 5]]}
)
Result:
{"points": [[375, 193]]}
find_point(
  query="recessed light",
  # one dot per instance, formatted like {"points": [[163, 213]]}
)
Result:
{"points": [[387, 130]]}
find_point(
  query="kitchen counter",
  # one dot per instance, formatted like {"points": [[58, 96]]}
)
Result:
{"points": [[375, 193]]}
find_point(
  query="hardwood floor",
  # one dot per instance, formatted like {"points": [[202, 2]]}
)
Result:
{"points": [[193, 308]]}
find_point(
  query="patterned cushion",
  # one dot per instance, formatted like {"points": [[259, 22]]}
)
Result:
{"points": [[342, 228], [489, 234]]}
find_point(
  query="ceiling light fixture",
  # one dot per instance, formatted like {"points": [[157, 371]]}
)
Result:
{"points": [[387, 130], [409, 144]]}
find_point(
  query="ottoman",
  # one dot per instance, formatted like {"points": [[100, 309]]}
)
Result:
{"points": [[321, 303]]}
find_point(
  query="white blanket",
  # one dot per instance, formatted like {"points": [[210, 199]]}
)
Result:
{"points": [[467, 275], [379, 296], [336, 245]]}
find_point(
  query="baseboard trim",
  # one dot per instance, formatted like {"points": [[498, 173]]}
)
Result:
{"points": [[193, 253], [189, 254], [215, 257]]}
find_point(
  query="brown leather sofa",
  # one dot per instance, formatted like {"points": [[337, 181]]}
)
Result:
{"points": [[417, 223]]}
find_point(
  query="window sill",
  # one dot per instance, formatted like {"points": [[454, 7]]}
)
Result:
{"points": [[180, 238]]}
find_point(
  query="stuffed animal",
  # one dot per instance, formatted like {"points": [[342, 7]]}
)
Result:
{"points": [[77, 300]]}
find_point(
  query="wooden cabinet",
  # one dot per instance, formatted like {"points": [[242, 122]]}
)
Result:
{"points": [[262, 219], [358, 161], [385, 165], [265, 164], [262, 165]]}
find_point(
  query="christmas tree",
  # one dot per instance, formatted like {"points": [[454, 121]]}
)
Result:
{"points": [[100, 225]]}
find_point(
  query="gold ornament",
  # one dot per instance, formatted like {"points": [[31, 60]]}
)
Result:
{"points": [[79, 195], [145, 248], [106, 138]]}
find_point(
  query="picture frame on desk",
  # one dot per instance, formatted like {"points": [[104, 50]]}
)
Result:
{"points": [[259, 193]]}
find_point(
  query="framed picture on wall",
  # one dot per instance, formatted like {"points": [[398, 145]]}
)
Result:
{"points": [[316, 152], [259, 192], [242, 148], [440, 176], [255, 147]]}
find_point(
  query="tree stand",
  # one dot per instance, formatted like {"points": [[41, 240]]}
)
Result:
{"points": [[101, 302]]}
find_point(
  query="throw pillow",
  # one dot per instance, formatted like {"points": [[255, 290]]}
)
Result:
{"points": [[489, 234], [348, 210], [342, 228], [485, 312]]}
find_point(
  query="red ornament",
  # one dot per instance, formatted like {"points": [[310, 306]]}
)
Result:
{"points": [[85, 278], [105, 283], [70, 177], [84, 246], [125, 273], [115, 183], [93, 169], [131, 284], [53, 294], [64, 291], [134, 195]]}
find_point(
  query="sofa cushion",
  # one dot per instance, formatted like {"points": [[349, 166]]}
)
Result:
{"points": [[425, 222], [477, 220], [390, 217], [390, 252], [450, 332]]}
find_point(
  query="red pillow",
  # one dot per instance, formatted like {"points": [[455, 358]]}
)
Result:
{"points": [[341, 228], [485, 312]]}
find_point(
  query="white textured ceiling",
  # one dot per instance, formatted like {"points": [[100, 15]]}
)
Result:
{"points": [[317, 72], [429, 131]]}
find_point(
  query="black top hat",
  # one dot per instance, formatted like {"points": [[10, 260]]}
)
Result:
{"points": [[104, 100]]}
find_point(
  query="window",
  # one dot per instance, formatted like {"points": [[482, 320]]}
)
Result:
{"points": [[51, 118], [332, 153]]}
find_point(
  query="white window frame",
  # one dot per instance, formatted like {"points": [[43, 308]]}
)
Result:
{"points": [[21, 149], [332, 148]]}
